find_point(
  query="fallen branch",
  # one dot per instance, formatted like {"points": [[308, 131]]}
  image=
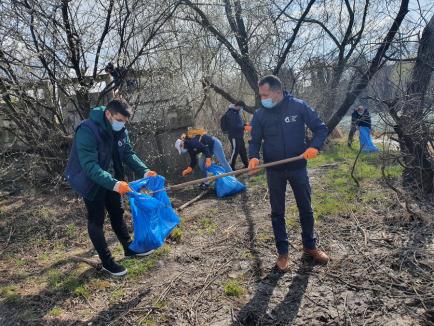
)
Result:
{"points": [[365, 237], [192, 201], [329, 165], [207, 284], [399, 193], [160, 298], [88, 261]]}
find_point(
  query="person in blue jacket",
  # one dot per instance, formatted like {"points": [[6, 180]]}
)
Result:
{"points": [[235, 130], [359, 118], [206, 145], [279, 128]]}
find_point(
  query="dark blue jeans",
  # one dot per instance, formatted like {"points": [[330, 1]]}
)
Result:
{"points": [[299, 182]]}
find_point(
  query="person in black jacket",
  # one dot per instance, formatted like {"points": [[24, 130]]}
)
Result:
{"points": [[235, 129], [119, 76], [279, 127], [202, 144], [359, 118]]}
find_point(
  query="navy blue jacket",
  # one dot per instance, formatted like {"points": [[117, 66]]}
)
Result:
{"points": [[361, 120], [281, 131], [199, 144], [235, 123]]}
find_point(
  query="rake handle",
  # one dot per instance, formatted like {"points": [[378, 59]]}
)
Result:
{"points": [[237, 172]]}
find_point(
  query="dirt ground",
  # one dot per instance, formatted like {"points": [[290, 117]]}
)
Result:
{"points": [[218, 267]]}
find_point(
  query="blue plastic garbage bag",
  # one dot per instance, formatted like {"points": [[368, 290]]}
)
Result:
{"points": [[225, 186], [153, 216], [366, 140]]}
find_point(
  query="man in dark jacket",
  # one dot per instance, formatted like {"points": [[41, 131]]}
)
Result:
{"points": [[236, 128], [101, 146], [120, 78], [279, 127], [359, 118]]}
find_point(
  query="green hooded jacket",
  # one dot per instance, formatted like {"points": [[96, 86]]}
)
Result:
{"points": [[87, 150]]}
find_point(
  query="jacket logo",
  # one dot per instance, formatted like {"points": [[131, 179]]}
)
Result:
{"points": [[291, 118], [120, 143]]}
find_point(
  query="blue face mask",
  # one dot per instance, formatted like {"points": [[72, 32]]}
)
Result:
{"points": [[268, 103], [118, 125]]}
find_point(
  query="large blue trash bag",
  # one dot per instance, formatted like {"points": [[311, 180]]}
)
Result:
{"points": [[366, 140], [225, 186], [153, 216]]}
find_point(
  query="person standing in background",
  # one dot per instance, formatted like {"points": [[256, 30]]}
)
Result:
{"points": [[359, 118], [233, 124]]}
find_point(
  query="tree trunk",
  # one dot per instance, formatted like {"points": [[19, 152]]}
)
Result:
{"points": [[412, 127]]}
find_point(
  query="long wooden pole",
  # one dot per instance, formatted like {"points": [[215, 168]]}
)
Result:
{"points": [[237, 172]]}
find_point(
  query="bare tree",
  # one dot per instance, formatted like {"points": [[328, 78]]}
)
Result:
{"points": [[241, 52], [52, 55], [413, 121], [377, 62]]}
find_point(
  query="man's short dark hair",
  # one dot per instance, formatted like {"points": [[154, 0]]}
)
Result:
{"points": [[272, 81], [120, 106], [110, 67]]}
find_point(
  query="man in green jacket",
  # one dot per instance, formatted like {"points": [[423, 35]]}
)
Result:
{"points": [[95, 169]]}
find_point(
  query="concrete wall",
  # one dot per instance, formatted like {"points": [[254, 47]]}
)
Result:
{"points": [[156, 146]]}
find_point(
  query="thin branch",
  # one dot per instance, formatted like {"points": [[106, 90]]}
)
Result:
{"points": [[207, 83], [103, 35], [291, 40], [354, 166]]}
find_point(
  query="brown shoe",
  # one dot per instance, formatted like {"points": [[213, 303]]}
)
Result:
{"points": [[317, 255], [282, 263]]}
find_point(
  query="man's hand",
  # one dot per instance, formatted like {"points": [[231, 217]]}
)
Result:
{"points": [[310, 153], [122, 187], [151, 173], [253, 164], [187, 171], [247, 127], [208, 162]]}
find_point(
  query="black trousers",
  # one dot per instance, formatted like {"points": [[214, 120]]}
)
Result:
{"points": [[353, 130], [299, 182], [238, 147], [111, 202]]}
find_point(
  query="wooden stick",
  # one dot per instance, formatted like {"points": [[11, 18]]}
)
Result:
{"points": [[88, 261], [237, 172], [195, 199]]}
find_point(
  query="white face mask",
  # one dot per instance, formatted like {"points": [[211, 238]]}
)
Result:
{"points": [[118, 125]]}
